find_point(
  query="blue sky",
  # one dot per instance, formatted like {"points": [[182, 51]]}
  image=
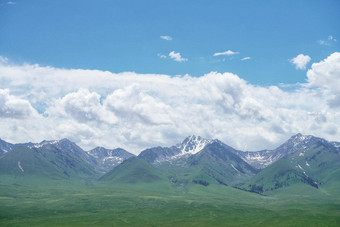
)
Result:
{"points": [[125, 35], [137, 74]]}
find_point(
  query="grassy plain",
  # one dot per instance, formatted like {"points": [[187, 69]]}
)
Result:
{"points": [[159, 204]]}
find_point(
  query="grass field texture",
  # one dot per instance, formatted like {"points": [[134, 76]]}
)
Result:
{"points": [[165, 205]]}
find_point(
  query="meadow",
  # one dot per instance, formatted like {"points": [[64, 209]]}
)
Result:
{"points": [[159, 204]]}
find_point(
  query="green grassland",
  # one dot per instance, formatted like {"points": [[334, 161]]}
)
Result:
{"points": [[160, 204]]}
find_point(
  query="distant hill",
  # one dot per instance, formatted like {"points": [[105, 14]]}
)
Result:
{"points": [[316, 165], [218, 162], [107, 159], [48, 160], [24, 162], [134, 171]]}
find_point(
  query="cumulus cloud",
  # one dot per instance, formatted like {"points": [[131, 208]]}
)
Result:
{"points": [[136, 111], [228, 53], [83, 106], [14, 107], [177, 57], [245, 58], [133, 104], [166, 37], [326, 74], [300, 61]]}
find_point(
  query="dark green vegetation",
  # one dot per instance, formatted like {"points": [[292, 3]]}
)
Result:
{"points": [[57, 183]]}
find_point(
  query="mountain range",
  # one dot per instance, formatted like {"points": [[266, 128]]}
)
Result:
{"points": [[302, 159]]}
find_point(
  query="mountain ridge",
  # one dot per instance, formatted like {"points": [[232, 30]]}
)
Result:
{"points": [[195, 160], [109, 158], [264, 158]]}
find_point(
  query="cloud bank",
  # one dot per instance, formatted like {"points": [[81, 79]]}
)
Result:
{"points": [[136, 111]]}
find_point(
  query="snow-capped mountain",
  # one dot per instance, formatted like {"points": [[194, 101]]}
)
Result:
{"points": [[190, 146], [64, 151], [67, 152], [109, 158], [57, 159], [100, 158], [298, 142]]}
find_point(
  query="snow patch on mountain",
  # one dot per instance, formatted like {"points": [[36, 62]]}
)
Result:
{"points": [[193, 144], [108, 158], [176, 154], [113, 158], [234, 168], [20, 167], [336, 144], [43, 143], [190, 146]]}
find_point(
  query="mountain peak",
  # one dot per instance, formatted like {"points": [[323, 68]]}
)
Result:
{"points": [[109, 158], [99, 148], [300, 137], [193, 144], [65, 140], [300, 140]]}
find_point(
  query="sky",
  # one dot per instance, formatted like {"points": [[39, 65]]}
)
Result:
{"points": [[135, 74]]}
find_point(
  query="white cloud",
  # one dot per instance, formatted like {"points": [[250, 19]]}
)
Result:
{"points": [[136, 111], [14, 107], [245, 58], [326, 74], [11, 3], [228, 53], [161, 56], [133, 104], [177, 57], [166, 37], [300, 61], [83, 106], [328, 41]]}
